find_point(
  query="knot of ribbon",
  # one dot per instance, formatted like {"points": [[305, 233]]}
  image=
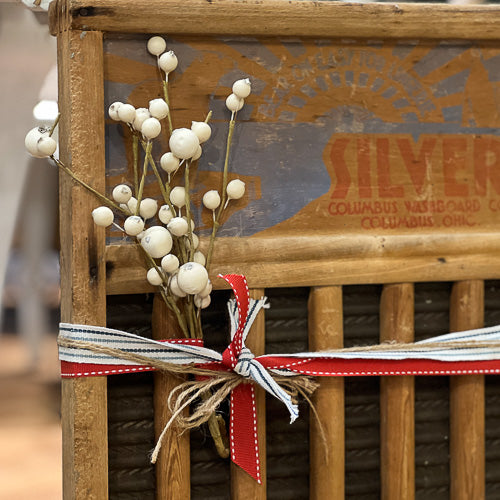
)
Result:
{"points": [[244, 365]]}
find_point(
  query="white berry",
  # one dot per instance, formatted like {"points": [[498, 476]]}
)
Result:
{"points": [[169, 162], [148, 208], [156, 45], [178, 226], [165, 214], [103, 216], [158, 108], [157, 243], [154, 277], [235, 189], [168, 61], [234, 103], [211, 199], [192, 222], [199, 257], [178, 196], [132, 204], [192, 278], [152, 229], [202, 302], [151, 128], [196, 241], [113, 111], [207, 290], [242, 88], [133, 225], [46, 146], [170, 263], [197, 155], [32, 138], [141, 114], [202, 131], [174, 287], [126, 113], [122, 193], [183, 143]]}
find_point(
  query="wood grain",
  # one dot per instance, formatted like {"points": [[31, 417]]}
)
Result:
{"points": [[244, 486], [327, 450], [330, 260], [397, 399], [467, 403], [275, 17], [173, 478], [83, 287]]}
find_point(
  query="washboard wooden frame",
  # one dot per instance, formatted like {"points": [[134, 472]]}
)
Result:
{"points": [[325, 262]]}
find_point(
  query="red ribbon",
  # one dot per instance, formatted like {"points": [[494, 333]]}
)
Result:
{"points": [[243, 411]]}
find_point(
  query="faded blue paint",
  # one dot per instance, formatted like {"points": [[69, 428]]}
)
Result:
{"points": [[452, 114], [363, 79], [349, 77], [438, 57], [403, 51], [492, 66], [321, 83], [253, 50], [335, 79], [454, 84]]}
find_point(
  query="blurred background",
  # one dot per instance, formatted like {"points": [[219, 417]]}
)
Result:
{"points": [[30, 436]]}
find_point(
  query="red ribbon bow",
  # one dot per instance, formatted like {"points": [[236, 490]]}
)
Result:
{"points": [[243, 413]]}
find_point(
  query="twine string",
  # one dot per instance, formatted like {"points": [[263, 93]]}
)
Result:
{"points": [[218, 384]]}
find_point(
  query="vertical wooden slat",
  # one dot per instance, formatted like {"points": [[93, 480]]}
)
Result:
{"points": [[244, 486], [83, 280], [467, 411], [397, 399], [173, 479], [327, 450]]}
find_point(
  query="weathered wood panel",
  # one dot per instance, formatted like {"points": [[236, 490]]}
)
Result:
{"points": [[83, 288], [397, 398], [257, 18], [467, 401]]}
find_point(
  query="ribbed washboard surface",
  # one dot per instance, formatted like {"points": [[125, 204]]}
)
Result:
{"points": [[130, 409], [492, 389], [130, 403]]}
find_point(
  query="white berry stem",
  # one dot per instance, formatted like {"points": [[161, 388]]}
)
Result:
{"points": [[168, 299], [135, 152], [54, 125], [224, 202], [188, 210], [118, 227], [98, 195], [164, 187], [149, 146], [165, 94]]}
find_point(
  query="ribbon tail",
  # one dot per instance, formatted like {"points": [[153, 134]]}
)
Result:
{"points": [[243, 430], [262, 377]]}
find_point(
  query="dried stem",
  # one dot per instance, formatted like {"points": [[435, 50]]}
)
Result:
{"points": [[54, 125], [149, 146], [222, 206], [188, 210], [165, 94], [135, 152], [164, 188], [98, 195]]}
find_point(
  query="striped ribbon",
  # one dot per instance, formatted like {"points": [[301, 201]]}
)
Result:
{"points": [[470, 352]]}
